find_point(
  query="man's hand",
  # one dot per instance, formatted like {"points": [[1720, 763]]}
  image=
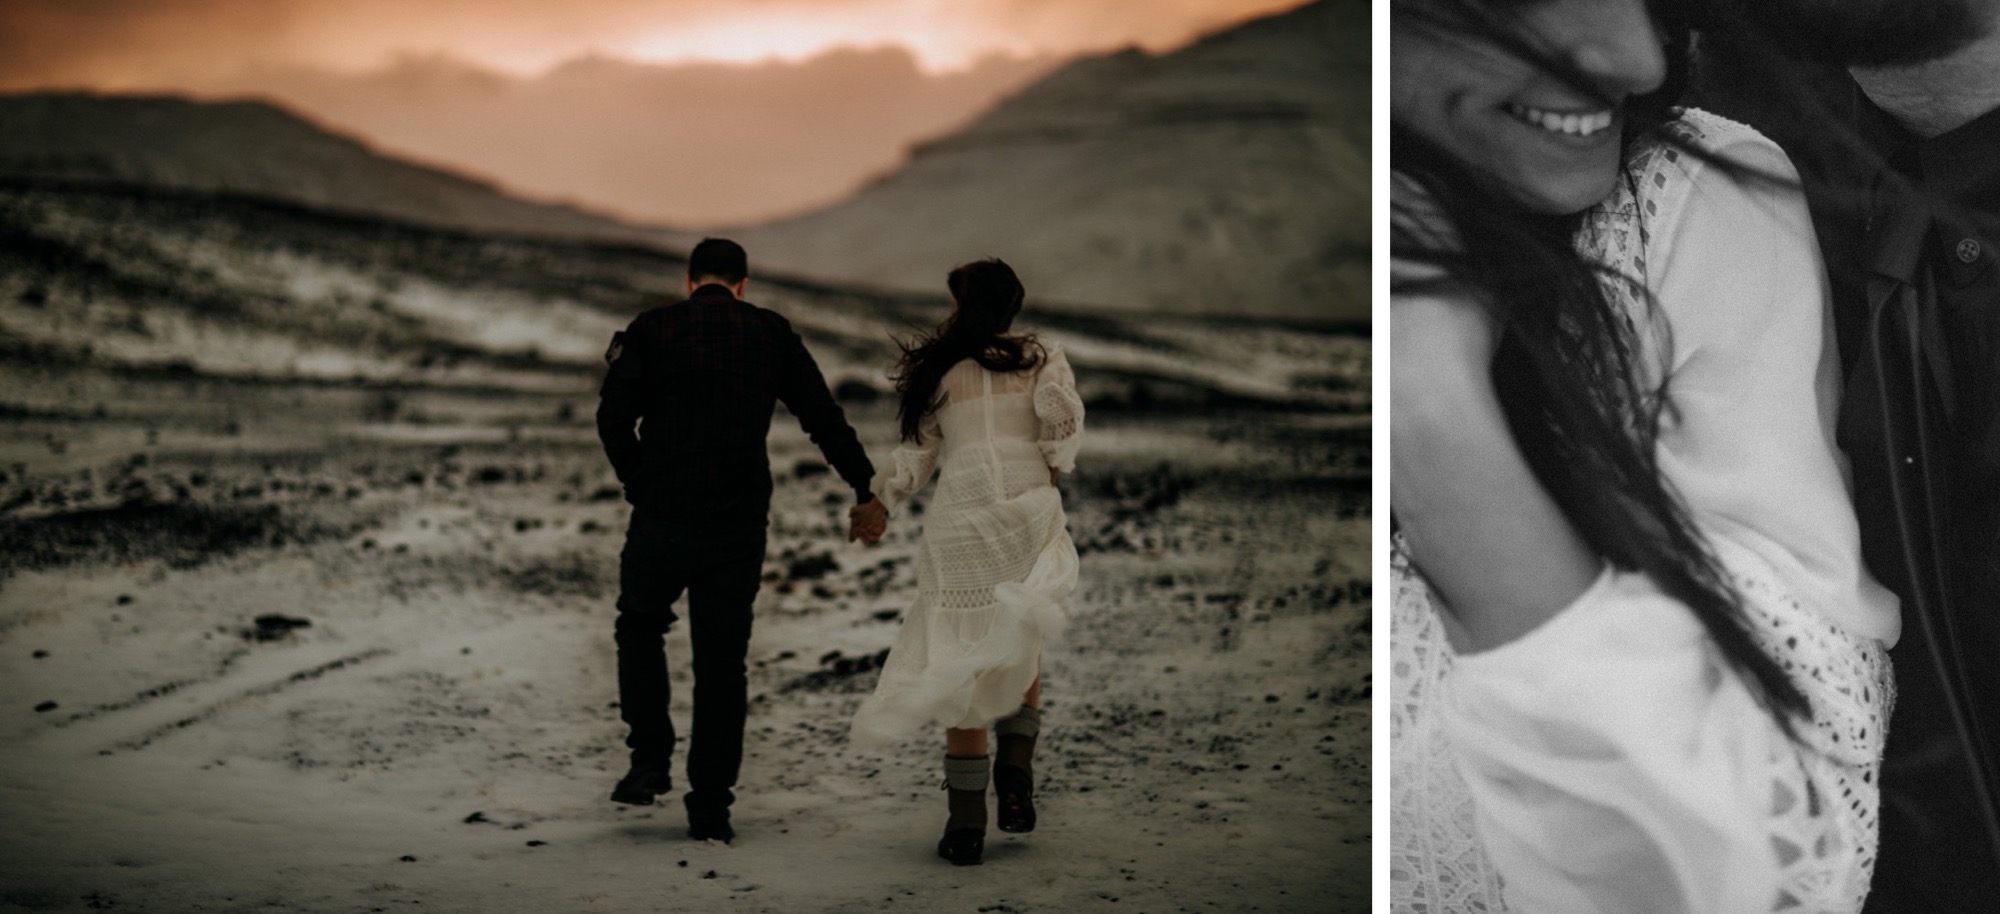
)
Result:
{"points": [[867, 522]]}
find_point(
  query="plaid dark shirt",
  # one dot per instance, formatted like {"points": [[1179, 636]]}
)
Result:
{"points": [[687, 404]]}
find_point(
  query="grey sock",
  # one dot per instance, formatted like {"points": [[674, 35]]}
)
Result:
{"points": [[1025, 722], [967, 773]]}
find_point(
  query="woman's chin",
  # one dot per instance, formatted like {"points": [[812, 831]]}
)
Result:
{"points": [[1562, 194]]}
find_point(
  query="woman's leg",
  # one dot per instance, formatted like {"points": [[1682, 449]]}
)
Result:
{"points": [[1033, 699], [965, 743]]}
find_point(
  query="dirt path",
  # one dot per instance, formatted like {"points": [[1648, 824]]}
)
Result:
{"points": [[441, 735]]}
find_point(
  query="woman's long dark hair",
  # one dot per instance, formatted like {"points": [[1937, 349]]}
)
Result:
{"points": [[989, 296], [1567, 370]]}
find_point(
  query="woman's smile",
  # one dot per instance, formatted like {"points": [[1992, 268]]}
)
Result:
{"points": [[1540, 117], [1568, 123]]}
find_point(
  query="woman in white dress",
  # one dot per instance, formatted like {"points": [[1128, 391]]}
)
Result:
{"points": [[1638, 665], [997, 417]]}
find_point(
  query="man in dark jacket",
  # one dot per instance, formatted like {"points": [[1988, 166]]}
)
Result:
{"points": [[1891, 111], [683, 414]]}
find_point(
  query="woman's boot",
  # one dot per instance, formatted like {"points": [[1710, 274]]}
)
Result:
{"points": [[965, 832], [1014, 770]]}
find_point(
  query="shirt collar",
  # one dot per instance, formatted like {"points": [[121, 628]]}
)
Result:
{"points": [[1959, 165], [1961, 175], [1956, 179], [712, 290]]}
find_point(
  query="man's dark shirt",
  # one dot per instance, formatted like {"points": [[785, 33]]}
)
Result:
{"points": [[1882, 195], [700, 380]]}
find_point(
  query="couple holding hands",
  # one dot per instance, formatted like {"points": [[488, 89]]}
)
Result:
{"points": [[683, 415]]}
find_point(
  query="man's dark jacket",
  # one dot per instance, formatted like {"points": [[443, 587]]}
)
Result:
{"points": [[687, 403]]}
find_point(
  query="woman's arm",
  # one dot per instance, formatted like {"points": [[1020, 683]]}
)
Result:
{"points": [[1058, 412], [911, 466], [1478, 523]]}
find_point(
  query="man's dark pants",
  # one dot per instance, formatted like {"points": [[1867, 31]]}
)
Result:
{"points": [[719, 566]]}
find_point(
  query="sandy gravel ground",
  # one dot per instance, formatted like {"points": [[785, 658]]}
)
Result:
{"points": [[429, 724]]}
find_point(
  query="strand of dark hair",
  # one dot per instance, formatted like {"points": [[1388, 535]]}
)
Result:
{"points": [[1567, 370]]}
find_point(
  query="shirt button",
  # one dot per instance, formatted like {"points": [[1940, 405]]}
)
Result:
{"points": [[1968, 250]]}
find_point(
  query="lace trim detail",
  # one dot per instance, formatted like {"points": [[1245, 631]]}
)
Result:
{"points": [[1436, 864], [1825, 817]]}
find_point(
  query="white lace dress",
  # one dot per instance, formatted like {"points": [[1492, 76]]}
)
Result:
{"points": [[1610, 760], [996, 566]]}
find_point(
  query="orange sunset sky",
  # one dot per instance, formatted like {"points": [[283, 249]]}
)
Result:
{"points": [[699, 114]]}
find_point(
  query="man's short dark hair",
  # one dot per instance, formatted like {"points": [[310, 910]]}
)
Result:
{"points": [[721, 258]]}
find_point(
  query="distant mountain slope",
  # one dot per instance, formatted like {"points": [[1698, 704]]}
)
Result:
{"points": [[258, 149], [180, 284], [1229, 177]]}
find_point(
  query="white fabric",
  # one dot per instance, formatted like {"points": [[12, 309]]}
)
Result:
{"points": [[1611, 761], [1754, 377], [996, 566]]}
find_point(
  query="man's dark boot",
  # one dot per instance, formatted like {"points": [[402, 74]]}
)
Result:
{"points": [[643, 782], [1014, 771], [964, 839], [708, 819]]}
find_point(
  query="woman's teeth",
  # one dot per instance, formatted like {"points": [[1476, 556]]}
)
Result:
{"points": [[1557, 122]]}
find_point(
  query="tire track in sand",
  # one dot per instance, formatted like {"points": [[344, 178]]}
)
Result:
{"points": [[202, 700]]}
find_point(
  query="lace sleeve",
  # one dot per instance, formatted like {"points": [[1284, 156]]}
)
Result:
{"points": [[1060, 412], [911, 466]]}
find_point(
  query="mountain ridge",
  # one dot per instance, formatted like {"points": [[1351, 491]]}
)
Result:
{"points": [[1229, 177], [172, 141]]}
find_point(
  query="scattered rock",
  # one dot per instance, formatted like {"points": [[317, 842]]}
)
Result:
{"points": [[536, 843], [476, 818], [409, 859], [40, 655], [124, 599], [812, 567], [273, 626], [807, 469], [837, 668], [45, 707]]}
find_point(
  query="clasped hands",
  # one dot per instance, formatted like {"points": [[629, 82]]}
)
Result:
{"points": [[867, 522]]}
